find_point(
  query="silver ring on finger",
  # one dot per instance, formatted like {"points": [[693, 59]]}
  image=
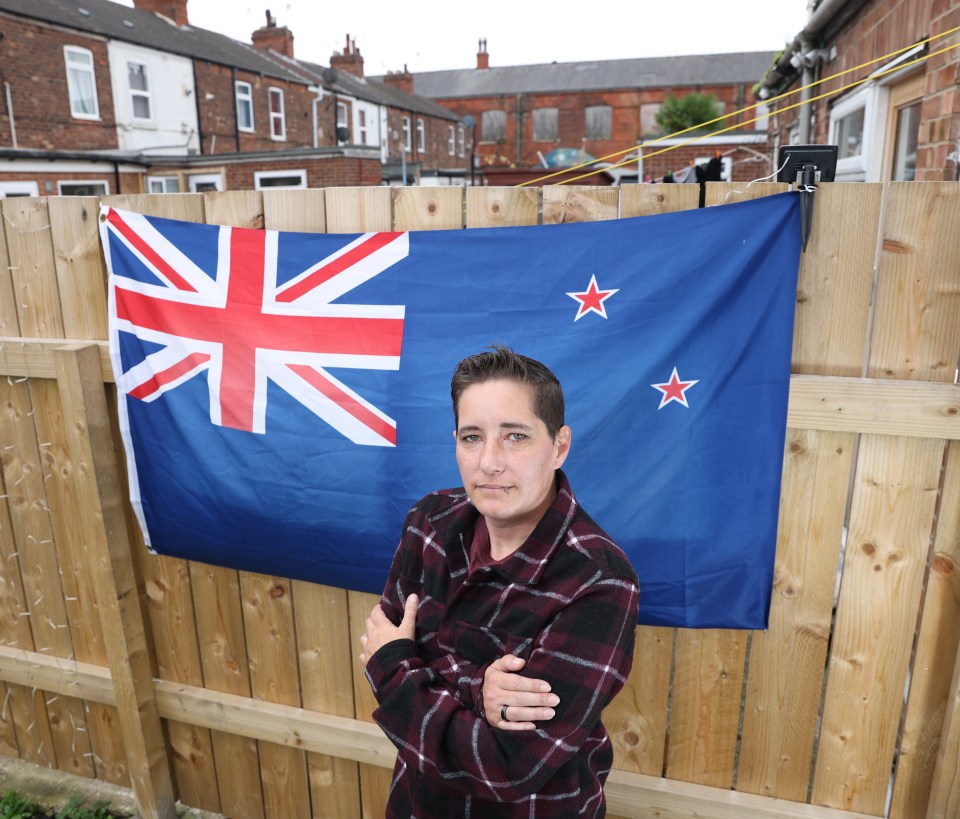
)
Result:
{"points": [[503, 714]]}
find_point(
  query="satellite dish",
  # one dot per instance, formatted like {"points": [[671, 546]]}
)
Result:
{"points": [[343, 133], [329, 75]]}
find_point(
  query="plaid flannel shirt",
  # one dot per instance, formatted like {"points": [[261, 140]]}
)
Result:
{"points": [[566, 602]]}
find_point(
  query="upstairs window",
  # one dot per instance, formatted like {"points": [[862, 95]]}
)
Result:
{"points": [[451, 140], [598, 122], [493, 126], [244, 93], [140, 102], [407, 144], [278, 126], [81, 83], [421, 136], [362, 126], [343, 123], [460, 140]]}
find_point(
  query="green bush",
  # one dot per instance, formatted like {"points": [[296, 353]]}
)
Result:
{"points": [[13, 806]]}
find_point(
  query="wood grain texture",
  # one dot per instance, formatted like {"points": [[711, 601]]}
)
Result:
{"points": [[501, 207]]}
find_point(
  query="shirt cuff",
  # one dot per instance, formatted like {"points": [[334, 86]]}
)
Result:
{"points": [[387, 659]]}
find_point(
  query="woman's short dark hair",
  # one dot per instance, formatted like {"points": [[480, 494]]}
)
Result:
{"points": [[504, 364]]}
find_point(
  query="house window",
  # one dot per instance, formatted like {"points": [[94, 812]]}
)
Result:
{"points": [[163, 184], [244, 93], [407, 145], [648, 119], [905, 147], [849, 134], [279, 179], [278, 126], [81, 83], [200, 182], [598, 120], [421, 136], [83, 188], [493, 126], [460, 140], [362, 126], [343, 123], [139, 91], [544, 124], [451, 140]]}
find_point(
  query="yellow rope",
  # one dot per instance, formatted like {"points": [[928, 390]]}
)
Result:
{"points": [[752, 108]]}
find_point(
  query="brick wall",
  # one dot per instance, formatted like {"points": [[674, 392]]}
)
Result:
{"points": [[325, 172], [435, 153], [878, 29], [32, 61], [48, 183], [571, 108]]}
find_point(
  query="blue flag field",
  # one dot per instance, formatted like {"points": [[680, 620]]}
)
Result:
{"points": [[285, 397]]}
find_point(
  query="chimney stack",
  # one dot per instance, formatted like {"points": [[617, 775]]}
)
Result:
{"points": [[350, 60], [176, 10], [401, 80], [279, 38], [483, 59]]}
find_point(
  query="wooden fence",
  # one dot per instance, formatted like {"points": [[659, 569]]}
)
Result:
{"points": [[241, 693]]}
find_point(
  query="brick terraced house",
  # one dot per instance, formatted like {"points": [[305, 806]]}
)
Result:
{"points": [[101, 98], [903, 123], [523, 113]]}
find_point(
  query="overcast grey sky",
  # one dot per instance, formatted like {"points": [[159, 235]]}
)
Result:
{"points": [[431, 35]]}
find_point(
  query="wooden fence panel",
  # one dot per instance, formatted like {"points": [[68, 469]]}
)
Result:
{"points": [[280, 641]]}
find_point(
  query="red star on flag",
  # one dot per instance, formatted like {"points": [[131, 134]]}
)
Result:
{"points": [[591, 301], [674, 390]]}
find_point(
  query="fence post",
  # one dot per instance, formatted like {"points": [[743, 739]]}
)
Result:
{"points": [[945, 792], [103, 525]]}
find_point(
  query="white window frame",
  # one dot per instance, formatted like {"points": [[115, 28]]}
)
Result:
{"points": [[276, 116], [72, 90], [19, 189], [461, 139], [362, 125], [451, 140], [163, 182], [259, 176], [198, 179], [136, 92], [867, 165], [421, 136], [85, 182], [245, 98], [407, 136]]}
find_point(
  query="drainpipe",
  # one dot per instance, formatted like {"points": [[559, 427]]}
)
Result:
{"points": [[196, 105], [13, 124]]}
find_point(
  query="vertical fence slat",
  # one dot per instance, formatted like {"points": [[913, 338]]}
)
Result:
{"points": [[104, 525], [216, 602], [501, 207], [579, 203], [939, 639], [271, 649], [645, 200], [326, 665], [81, 279], [428, 208], [358, 210]]}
